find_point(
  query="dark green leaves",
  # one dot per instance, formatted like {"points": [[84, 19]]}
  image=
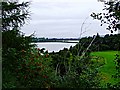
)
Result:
{"points": [[14, 14], [111, 16]]}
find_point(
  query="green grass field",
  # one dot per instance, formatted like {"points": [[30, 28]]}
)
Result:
{"points": [[108, 69]]}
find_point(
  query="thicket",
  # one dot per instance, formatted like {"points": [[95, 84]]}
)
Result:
{"points": [[25, 66]]}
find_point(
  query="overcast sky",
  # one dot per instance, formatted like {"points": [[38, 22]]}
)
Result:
{"points": [[63, 18]]}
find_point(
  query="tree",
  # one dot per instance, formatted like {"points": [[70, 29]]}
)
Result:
{"points": [[14, 15], [111, 16]]}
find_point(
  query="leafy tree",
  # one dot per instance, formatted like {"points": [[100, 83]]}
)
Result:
{"points": [[111, 16]]}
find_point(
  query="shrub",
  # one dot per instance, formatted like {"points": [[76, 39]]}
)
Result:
{"points": [[34, 69]]}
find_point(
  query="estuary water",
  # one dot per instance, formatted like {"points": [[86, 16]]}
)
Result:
{"points": [[54, 46]]}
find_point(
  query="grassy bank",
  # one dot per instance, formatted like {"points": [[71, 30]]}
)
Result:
{"points": [[108, 69]]}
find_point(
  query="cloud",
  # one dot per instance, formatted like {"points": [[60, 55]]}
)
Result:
{"points": [[52, 18], [60, 1], [45, 9]]}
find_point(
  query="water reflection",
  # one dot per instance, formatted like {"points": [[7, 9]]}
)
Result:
{"points": [[54, 46]]}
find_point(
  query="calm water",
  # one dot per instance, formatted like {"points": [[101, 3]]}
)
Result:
{"points": [[54, 46]]}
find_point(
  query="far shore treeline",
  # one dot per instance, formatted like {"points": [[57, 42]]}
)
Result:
{"points": [[101, 43], [26, 66], [43, 39]]}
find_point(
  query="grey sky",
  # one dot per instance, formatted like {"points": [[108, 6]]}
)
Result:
{"points": [[63, 18]]}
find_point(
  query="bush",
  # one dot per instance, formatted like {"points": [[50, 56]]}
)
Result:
{"points": [[34, 68], [74, 72]]}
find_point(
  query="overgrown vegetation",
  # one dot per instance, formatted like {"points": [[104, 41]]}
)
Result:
{"points": [[111, 17], [25, 66]]}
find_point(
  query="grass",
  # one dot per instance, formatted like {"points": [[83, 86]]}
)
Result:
{"points": [[108, 69]]}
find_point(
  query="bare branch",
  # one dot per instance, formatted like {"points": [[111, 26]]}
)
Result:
{"points": [[88, 47], [81, 32]]}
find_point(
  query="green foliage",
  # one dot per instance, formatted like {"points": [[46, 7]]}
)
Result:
{"points": [[25, 66], [12, 43], [14, 14], [74, 71], [107, 70], [31, 70], [73, 80], [108, 42], [111, 16], [9, 80], [117, 74], [15, 39]]}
